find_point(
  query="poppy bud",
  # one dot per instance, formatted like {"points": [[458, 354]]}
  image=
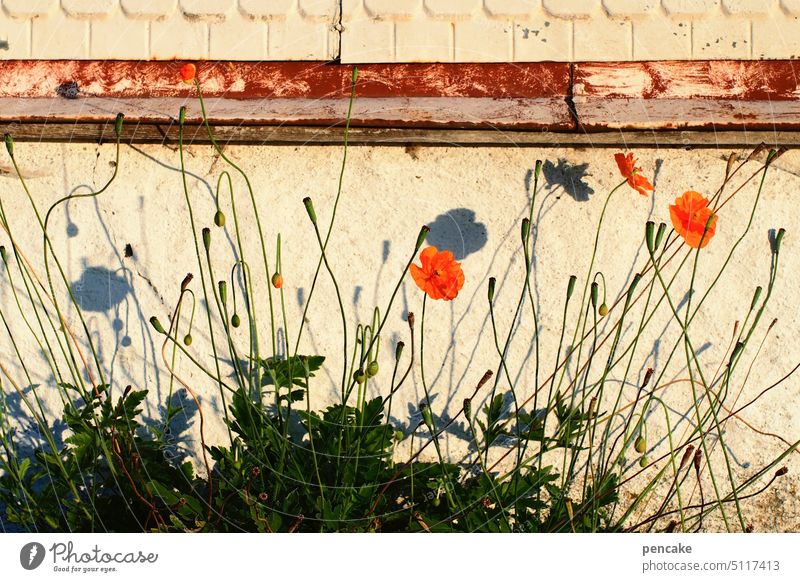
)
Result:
{"points": [[603, 311], [219, 218], [187, 339], [526, 229], [372, 369], [426, 415], [468, 408], [186, 280], [157, 324], [649, 230], [310, 209], [359, 376], [182, 116], [643, 462], [537, 170], [492, 282], [648, 375], [10, 144], [571, 286], [223, 291], [781, 472], [778, 239], [277, 280], [686, 455], [398, 351], [636, 278], [423, 234], [662, 228], [118, 124], [756, 297], [236, 321], [398, 435], [592, 405], [640, 444], [594, 294], [207, 238]]}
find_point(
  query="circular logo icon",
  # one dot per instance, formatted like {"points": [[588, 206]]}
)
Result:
{"points": [[31, 555]]}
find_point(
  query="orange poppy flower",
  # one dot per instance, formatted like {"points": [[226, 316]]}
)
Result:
{"points": [[188, 72], [689, 215], [629, 171], [440, 276]]}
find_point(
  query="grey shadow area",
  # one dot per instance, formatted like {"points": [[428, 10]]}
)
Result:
{"points": [[571, 177], [458, 231], [99, 289]]}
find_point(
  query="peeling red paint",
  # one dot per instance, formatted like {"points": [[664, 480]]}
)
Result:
{"points": [[300, 80], [718, 95], [747, 80]]}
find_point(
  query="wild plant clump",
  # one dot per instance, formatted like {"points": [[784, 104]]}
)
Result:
{"points": [[555, 460]]}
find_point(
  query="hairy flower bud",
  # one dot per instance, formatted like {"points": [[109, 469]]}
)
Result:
{"points": [[10, 144], [571, 286], [223, 291], [649, 236], [219, 218], [687, 454], [423, 234], [603, 311], [157, 324], [187, 339], [662, 228], [640, 444], [236, 321], [277, 280], [310, 209], [372, 369], [118, 124]]}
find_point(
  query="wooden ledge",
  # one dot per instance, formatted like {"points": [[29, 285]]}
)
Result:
{"points": [[656, 103]]}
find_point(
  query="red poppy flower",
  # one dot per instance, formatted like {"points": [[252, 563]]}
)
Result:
{"points": [[440, 276], [690, 214], [629, 171], [188, 72]]}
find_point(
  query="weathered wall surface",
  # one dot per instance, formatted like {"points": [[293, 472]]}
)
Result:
{"points": [[400, 30], [473, 199]]}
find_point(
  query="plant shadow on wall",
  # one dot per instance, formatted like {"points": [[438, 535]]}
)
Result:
{"points": [[554, 457]]}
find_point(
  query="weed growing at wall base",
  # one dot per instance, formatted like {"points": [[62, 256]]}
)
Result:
{"points": [[575, 454]]}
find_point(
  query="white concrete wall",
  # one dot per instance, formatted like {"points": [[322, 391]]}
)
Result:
{"points": [[474, 199], [400, 30]]}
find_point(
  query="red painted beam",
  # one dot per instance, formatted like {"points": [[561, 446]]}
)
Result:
{"points": [[526, 96]]}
